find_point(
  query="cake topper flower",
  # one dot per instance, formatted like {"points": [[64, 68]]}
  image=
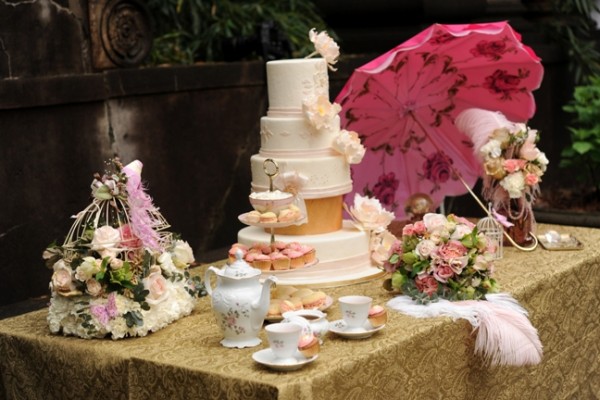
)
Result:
{"points": [[348, 143], [320, 112], [325, 46], [369, 215]]}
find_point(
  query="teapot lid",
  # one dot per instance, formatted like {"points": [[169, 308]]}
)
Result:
{"points": [[240, 268]]}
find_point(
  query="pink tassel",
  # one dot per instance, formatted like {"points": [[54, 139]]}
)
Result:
{"points": [[140, 206], [478, 124]]}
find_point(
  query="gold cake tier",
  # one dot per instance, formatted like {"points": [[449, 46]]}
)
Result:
{"points": [[324, 216]]}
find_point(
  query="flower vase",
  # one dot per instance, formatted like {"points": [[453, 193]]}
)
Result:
{"points": [[520, 215]]}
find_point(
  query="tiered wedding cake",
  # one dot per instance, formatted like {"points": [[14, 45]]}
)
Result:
{"points": [[301, 134]]}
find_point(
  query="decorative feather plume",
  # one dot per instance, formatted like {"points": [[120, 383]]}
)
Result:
{"points": [[141, 208], [479, 124], [505, 335]]}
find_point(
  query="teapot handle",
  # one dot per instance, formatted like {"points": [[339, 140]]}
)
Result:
{"points": [[207, 283]]}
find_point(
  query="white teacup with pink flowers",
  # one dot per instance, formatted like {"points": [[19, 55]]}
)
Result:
{"points": [[355, 311]]}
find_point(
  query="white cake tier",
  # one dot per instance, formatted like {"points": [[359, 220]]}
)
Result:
{"points": [[289, 82], [293, 134], [327, 174], [344, 257]]}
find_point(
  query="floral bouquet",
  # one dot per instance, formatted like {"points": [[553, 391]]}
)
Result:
{"points": [[513, 167], [441, 257], [119, 272]]}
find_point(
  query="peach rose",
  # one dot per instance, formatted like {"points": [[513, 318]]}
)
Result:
{"points": [[157, 285]]}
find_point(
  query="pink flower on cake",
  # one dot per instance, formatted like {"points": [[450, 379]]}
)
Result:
{"points": [[325, 46], [348, 144], [369, 215], [320, 112]]}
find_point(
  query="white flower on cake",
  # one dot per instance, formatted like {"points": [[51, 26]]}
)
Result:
{"points": [[348, 143], [325, 46], [320, 112], [369, 215]]}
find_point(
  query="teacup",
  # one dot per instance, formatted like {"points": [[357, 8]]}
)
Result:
{"points": [[283, 340], [355, 310]]}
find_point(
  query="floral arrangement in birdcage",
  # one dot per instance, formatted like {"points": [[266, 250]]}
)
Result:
{"points": [[441, 257], [119, 271]]}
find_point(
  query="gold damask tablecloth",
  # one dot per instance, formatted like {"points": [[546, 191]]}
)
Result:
{"points": [[409, 359]]}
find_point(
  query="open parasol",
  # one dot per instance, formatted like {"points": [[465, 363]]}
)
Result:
{"points": [[404, 102]]}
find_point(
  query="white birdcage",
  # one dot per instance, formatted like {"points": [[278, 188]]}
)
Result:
{"points": [[493, 232]]}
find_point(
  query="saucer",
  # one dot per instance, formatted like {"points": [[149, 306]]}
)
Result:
{"points": [[267, 358], [340, 328]]}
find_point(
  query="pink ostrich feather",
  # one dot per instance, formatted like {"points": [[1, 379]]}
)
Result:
{"points": [[140, 207], [504, 334], [478, 124]]}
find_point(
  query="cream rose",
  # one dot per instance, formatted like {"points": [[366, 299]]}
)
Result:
{"points": [[106, 241], [93, 287], [62, 278], [381, 244], [87, 269], [348, 144], [369, 213], [529, 150], [182, 254], [492, 149], [514, 184], [435, 222]]}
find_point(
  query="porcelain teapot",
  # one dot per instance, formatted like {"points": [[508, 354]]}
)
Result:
{"points": [[239, 301]]}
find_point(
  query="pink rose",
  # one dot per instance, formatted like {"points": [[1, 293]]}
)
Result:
{"points": [[426, 284], [419, 228], [62, 278], [511, 165], [452, 249], [442, 272], [531, 179], [128, 238], [408, 230], [156, 284], [93, 287], [529, 150], [458, 264]]}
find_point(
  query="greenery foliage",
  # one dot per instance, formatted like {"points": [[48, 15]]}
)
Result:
{"points": [[584, 151], [187, 31]]}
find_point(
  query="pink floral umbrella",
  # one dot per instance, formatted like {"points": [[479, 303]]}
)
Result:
{"points": [[404, 102]]}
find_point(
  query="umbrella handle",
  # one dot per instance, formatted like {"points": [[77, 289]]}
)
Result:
{"points": [[486, 210]]}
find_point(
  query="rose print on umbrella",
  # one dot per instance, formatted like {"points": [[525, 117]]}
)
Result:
{"points": [[404, 102]]}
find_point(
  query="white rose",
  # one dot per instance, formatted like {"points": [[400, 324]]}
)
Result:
{"points": [[460, 231], [514, 184], [435, 222], [182, 254], [348, 144], [425, 248], [493, 149], [106, 241], [370, 214], [166, 262], [87, 269]]}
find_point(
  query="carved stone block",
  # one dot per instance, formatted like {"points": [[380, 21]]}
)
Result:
{"points": [[120, 33]]}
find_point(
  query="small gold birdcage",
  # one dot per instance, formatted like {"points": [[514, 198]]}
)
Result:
{"points": [[493, 232]]}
